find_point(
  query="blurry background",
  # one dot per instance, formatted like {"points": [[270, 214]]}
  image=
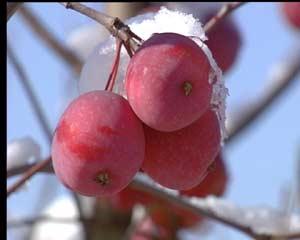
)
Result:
{"points": [[262, 161]]}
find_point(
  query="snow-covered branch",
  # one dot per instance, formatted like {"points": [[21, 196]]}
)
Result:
{"points": [[257, 222]]}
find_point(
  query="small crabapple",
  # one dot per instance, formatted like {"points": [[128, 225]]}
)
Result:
{"points": [[214, 183], [98, 145], [167, 82], [179, 159]]}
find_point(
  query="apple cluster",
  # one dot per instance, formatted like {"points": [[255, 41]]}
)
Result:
{"points": [[166, 127]]}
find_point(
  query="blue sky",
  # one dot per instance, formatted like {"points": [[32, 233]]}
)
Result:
{"points": [[261, 162]]}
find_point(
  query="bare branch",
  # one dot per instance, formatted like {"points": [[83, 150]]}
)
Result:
{"points": [[113, 24], [221, 14], [281, 83], [144, 186], [42, 31], [21, 169], [11, 8], [28, 174]]}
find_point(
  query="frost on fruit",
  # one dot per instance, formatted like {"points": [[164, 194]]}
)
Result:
{"points": [[21, 151], [98, 66], [219, 92]]}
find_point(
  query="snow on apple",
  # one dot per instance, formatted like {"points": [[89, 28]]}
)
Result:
{"points": [[98, 66]]}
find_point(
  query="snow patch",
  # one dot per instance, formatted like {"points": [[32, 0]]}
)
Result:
{"points": [[21, 151], [84, 39], [63, 207]]}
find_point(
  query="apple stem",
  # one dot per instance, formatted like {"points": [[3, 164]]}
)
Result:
{"points": [[112, 76]]}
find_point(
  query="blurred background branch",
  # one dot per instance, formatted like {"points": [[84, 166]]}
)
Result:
{"points": [[42, 119], [11, 8], [37, 26], [286, 73], [225, 10]]}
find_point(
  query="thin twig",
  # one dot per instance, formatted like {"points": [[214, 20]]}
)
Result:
{"points": [[21, 169], [112, 76], [11, 8], [281, 83], [113, 24], [28, 174], [221, 14], [42, 31]]}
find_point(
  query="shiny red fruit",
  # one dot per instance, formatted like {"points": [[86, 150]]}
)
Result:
{"points": [[214, 183], [179, 159], [98, 145], [167, 82]]}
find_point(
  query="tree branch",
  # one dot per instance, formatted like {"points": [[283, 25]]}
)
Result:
{"points": [[113, 24], [11, 8], [21, 169], [42, 31], [221, 14], [142, 185], [281, 82], [28, 174]]}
